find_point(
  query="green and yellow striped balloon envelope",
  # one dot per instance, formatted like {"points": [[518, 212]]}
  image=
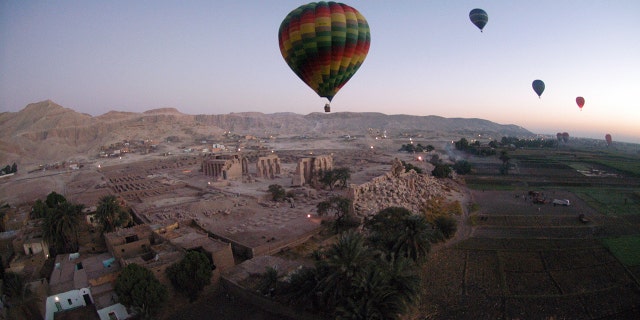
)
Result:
{"points": [[324, 43]]}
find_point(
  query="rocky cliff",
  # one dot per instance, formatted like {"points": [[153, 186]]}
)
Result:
{"points": [[46, 130]]}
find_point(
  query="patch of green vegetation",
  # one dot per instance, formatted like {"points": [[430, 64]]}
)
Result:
{"points": [[579, 166], [624, 164], [474, 219], [619, 201], [626, 249], [491, 186]]}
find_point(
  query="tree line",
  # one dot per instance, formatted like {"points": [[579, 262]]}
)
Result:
{"points": [[369, 274], [9, 169]]}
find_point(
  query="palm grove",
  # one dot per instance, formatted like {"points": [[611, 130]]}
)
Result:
{"points": [[372, 271]]}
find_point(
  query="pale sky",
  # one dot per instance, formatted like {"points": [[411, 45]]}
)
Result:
{"points": [[426, 58]]}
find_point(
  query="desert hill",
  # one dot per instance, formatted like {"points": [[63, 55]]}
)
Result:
{"points": [[46, 131]]}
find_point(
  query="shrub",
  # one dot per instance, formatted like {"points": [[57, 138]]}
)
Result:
{"points": [[277, 192], [441, 171], [462, 167], [447, 225]]}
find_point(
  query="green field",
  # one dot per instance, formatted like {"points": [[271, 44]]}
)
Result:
{"points": [[549, 169], [626, 249], [618, 201]]}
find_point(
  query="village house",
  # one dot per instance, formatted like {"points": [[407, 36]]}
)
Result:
{"points": [[30, 250], [140, 245], [87, 282], [187, 236]]}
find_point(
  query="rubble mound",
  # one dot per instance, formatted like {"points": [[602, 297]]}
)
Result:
{"points": [[395, 189]]}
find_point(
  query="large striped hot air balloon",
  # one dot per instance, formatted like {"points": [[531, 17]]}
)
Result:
{"points": [[479, 18], [324, 43]]}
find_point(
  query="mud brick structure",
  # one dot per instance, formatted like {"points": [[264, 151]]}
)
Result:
{"points": [[225, 167], [188, 236], [268, 167], [142, 246], [30, 250], [309, 168]]}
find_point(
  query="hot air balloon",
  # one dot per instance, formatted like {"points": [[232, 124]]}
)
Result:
{"points": [[559, 136], [538, 87], [324, 44], [565, 137], [580, 102], [607, 138], [479, 18]]}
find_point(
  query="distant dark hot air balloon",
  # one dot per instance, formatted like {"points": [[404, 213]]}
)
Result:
{"points": [[559, 136], [607, 138], [324, 43], [580, 102], [565, 137], [479, 18], [538, 87]]}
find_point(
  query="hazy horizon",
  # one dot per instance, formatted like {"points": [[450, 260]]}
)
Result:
{"points": [[426, 58]]}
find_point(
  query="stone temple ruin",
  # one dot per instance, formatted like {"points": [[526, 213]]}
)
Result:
{"points": [[235, 166], [268, 166], [225, 167], [309, 168]]}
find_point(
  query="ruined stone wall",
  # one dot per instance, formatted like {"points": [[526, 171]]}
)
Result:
{"points": [[268, 167], [224, 167], [223, 259], [308, 170], [401, 189]]}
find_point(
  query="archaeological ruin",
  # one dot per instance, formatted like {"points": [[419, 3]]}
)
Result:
{"points": [[309, 168]]}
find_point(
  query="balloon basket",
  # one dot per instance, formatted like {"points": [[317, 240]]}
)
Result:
{"points": [[327, 108]]}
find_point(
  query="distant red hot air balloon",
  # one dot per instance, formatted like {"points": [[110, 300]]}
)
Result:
{"points": [[607, 137], [580, 102]]}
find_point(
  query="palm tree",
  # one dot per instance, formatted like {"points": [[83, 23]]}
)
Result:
{"points": [[386, 291], [20, 300], [61, 225], [385, 227], [345, 262], [369, 298], [300, 289], [111, 214], [413, 240], [397, 231], [405, 281]]}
